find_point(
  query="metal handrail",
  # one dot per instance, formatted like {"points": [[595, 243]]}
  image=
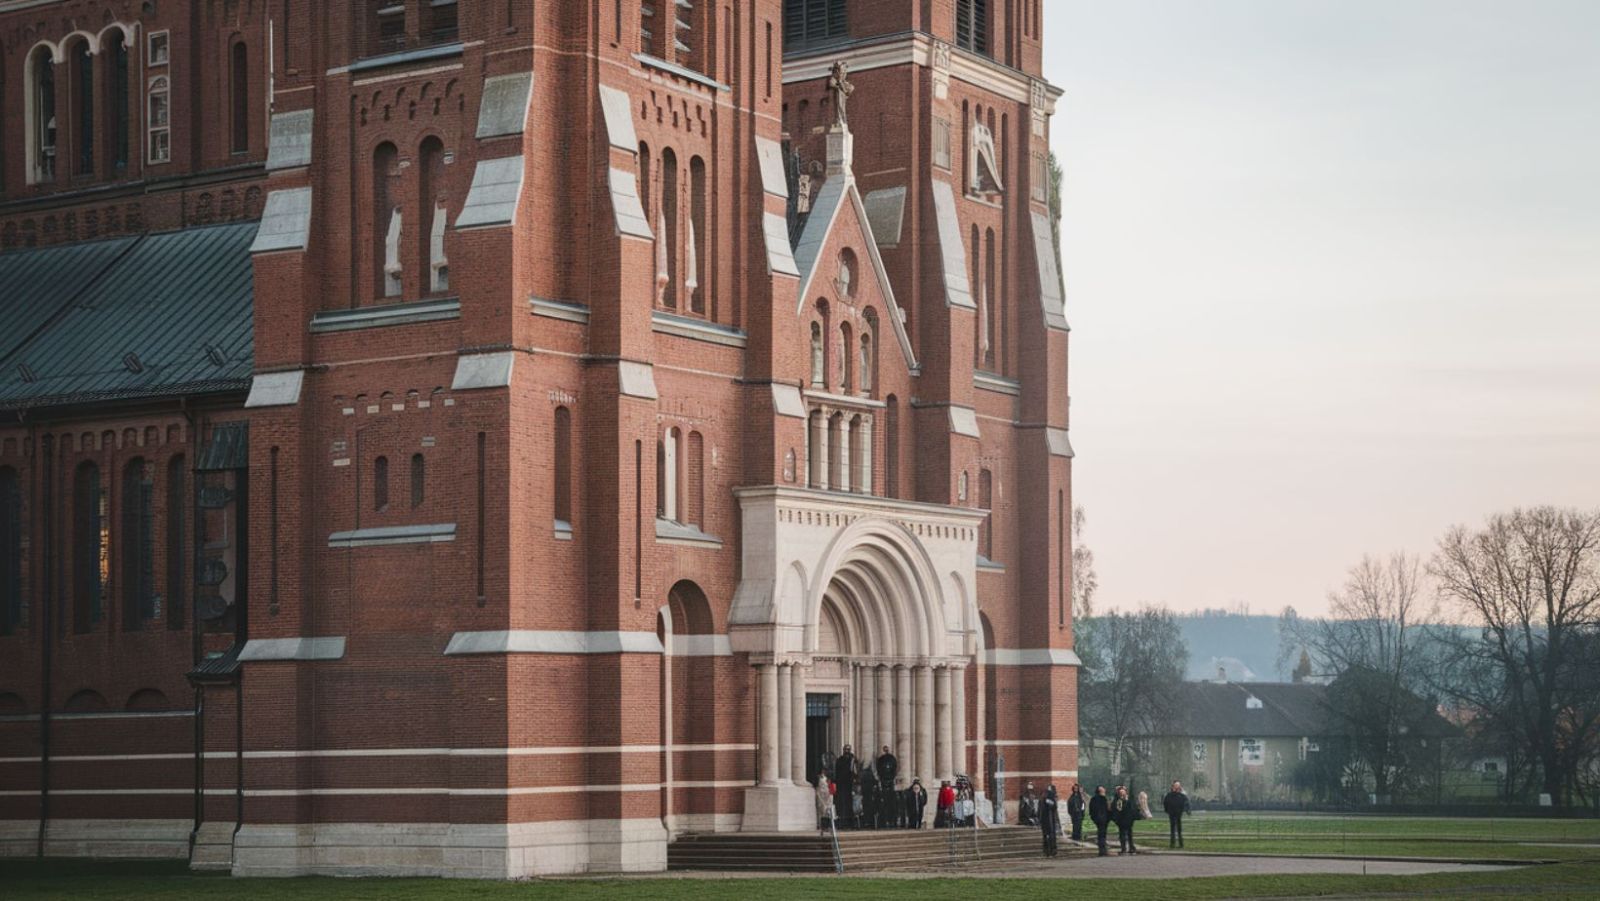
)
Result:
{"points": [[838, 857]]}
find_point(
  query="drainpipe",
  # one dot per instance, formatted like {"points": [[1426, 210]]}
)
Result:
{"points": [[199, 767], [46, 507]]}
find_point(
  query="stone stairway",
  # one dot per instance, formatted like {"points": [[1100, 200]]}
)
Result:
{"points": [[861, 852]]}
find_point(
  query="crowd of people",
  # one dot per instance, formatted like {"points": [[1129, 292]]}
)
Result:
{"points": [[852, 794], [873, 795]]}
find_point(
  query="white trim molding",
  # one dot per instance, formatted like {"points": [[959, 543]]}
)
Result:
{"points": [[528, 641], [258, 650], [1030, 657]]}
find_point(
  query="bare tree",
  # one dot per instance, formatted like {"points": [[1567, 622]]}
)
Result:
{"points": [[1084, 580], [1370, 643], [1531, 579], [1130, 686]]}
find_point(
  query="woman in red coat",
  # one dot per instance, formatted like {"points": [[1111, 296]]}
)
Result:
{"points": [[947, 802]]}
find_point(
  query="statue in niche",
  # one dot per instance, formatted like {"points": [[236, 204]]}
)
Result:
{"points": [[392, 285], [438, 265], [840, 87], [816, 354]]}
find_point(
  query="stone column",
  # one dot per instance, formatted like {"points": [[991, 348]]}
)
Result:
{"points": [[852, 719], [958, 722], [844, 453], [785, 722], [767, 682], [944, 756], [797, 698], [869, 710], [924, 717], [885, 710], [902, 720]]}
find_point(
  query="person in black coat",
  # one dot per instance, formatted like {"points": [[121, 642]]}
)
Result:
{"points": [[844, 783], [1028, 807], [888, 767], [1076, 805], [869, 799], [916, 804], [1100, 815], [1124, 813], [1050, 820], [1176, 804]]}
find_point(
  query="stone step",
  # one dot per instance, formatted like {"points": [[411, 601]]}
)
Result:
{"points": [[858, 851]]}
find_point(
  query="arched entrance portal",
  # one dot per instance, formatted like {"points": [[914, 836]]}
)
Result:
{"points": [[861, 628]]}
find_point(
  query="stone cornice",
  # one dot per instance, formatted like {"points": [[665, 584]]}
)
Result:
{"points": [[920, 49]]}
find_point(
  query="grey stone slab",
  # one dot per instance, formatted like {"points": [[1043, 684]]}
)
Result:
{"points": [[492, 370], [1044, 252], [504, 110], [495, 192], [780, 257], [290, 142], [958, 289], [275, 389], [773, 179], [625, 204], [617, 109], [886, 212], [285, 221]]}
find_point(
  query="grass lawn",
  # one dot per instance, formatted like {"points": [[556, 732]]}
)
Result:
{"points": [[78, 880], [1241, 824], [1461, 851]]}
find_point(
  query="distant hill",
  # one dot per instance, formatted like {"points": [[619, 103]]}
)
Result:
{"points": [[1246, 645]]}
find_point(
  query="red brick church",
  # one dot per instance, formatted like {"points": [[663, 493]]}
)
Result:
{"points": [[489, 438]]}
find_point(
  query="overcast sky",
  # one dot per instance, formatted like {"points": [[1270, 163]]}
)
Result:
{"points": [[1333, 273]]}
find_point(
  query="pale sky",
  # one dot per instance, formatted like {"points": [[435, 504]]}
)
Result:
{"points": [[1333, 274]]}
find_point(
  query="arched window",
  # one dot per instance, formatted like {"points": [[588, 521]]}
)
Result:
{"points": [[91, 560], [118, 123], [667, 475], [816, 450], [817, 355], [647, 27], [699, 241], [847, 360], [419, 481], [177, 543], [891, 446], [869, 354], [138, 546], [81, 60], [386, 26], [813, 21], [380, 484], [860, 454], [432, 208], [239, 93], [667, 253], [836, 461], [386, 224], [13, 610], [563, 468], [42, 116], [158, 120], [694, 481]]}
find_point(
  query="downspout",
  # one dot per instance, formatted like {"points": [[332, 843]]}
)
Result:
{"points": [[193, 525], [46, 508]]}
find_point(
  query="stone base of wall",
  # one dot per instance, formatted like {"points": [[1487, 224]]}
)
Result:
{"points": [[484, 851], [701, 823], [213, 847], [784, 807], [167, 839]]}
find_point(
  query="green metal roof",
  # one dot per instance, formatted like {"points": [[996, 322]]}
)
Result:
{"points": [[151, 316]]}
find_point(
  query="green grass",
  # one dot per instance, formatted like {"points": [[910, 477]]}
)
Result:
{"points": [[1461, 851], [1264, 825], [94, 881]]}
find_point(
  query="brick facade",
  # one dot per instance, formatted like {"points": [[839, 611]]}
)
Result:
{"points": [[471, 640]]}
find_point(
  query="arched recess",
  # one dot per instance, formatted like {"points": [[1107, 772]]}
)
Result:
{"points": [[891, 573], [688, 701], [148, 699], [86, 701]]}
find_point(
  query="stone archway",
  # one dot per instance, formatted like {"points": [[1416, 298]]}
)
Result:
{"points": [[863, 600]]}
